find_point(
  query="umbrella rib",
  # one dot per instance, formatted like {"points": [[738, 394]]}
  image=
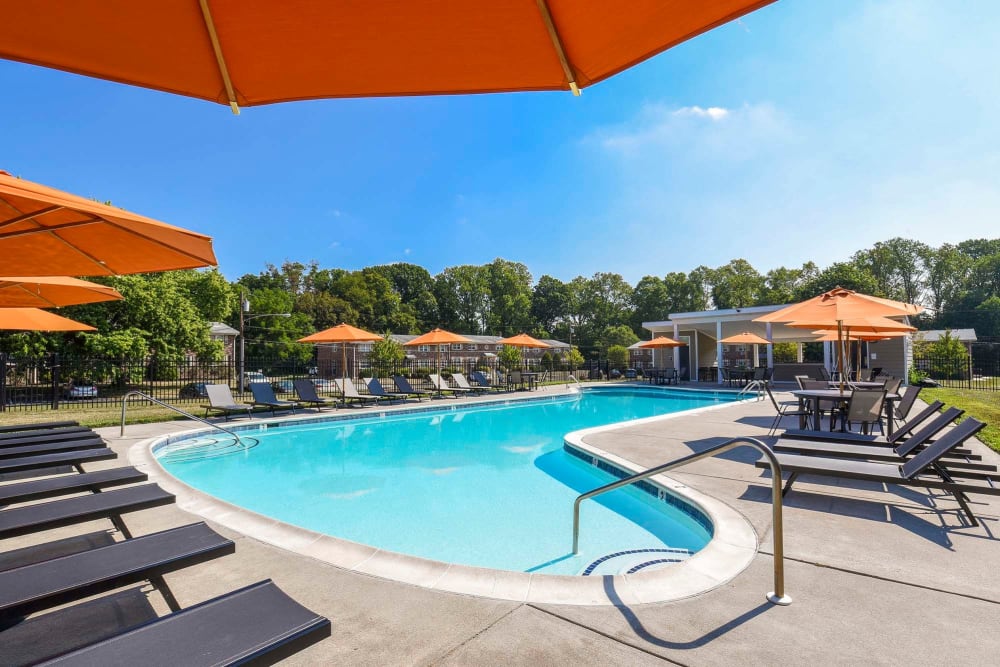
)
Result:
{"points": [[543, 9], [219, 58], [30, 216], [38, 295]]}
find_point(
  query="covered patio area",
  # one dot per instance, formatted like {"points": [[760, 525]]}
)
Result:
{"points": [[704, 354]]}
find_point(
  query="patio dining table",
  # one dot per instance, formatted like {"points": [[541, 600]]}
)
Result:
{"points": [[815, 396]]}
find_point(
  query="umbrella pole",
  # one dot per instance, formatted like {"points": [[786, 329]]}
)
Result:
{"points": [[840, 352]]}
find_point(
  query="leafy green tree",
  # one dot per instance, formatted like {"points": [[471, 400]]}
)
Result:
{"points": [[781, 285], [617, 336], [618, 356], [737, 285], [462, 296], [509, 357], [946, 268], [508, 290], [550, 303], [415, 288], [839, 274], [987, 317], [386, 354], [650, 297], [897, 266], [574, 358], [605, 299]]}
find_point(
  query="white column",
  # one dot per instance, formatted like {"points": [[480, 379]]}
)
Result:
{"points": [[827, 356], [718, 349], [677, 357], [770, 346], [798, 353]]}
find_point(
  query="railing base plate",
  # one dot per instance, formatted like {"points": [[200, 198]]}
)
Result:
{"points": [[783, 600]]}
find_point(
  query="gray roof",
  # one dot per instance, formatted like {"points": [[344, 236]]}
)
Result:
{"points": [[221, 329], [964, 335], [483, 340]]}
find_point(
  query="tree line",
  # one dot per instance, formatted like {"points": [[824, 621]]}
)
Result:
{"points": [[167, 314]]}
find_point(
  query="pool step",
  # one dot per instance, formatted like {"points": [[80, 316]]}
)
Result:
{"points": [[631, 561], [203, 448]]}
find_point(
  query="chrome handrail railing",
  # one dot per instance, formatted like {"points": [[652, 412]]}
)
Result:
{"points": [[146, 396], [777, 596]]}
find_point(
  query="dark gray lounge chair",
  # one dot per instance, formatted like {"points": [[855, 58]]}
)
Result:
{"points": [[901, 409], [221, 401], [464, 385], [13, 439], [923, 470], [31, 588], [306, 392], [896, 454], [11, 428], [484, 383], [51, 447], [42, 462], [50, 487], [376, 389], [898, 435], [255, 625], [263, 394], [404, 387], [106, 505]]}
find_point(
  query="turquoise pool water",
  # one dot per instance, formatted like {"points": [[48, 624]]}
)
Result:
{"points": [[488, 486]]}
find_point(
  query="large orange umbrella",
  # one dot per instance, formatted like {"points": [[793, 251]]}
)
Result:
{"points": [[343, 334], [523, 340], [248, 53], [854, 326], [48, 232], [438, 337], [53, 291], [661, 342], [33, 319]]}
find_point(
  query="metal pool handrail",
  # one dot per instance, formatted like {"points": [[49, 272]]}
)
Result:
{"points": [[777, 596], [146, 396]]}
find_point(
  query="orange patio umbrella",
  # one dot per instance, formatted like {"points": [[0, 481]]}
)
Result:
{"points": [[745, 338], [33, 319], [523, 340], [343, 334], [249, 53], [854, 326], [438, 337], [661, 342], [51, 292], [48, 232]]}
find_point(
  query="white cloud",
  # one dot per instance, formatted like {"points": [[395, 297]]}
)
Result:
{"points": [[715, 113], [407, 251]]}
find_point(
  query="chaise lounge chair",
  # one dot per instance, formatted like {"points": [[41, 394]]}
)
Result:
{"points": [[484, 383], [376, 389], [40, 426], [923, 470], [220, 400], [464, 385], [306, 391], [442, 386], [404, 387], [26, 438], [263, 394], [897, 454], [898, 435], [350, 393], [38, 465]]}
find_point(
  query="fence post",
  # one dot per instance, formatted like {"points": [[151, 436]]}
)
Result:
{"points": [[54, 367], [3, 381], [968, 368]]}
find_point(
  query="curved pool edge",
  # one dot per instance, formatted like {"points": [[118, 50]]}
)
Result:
{"points": [[732, 548]]}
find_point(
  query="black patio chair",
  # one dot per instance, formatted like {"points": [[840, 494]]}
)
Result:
{"points": [[263, 395], [376, 389], [404, 387], [305, 390]]}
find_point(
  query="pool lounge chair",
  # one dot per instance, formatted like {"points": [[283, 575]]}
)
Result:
{"points": [[350, 393], [464, 385], [39, 426], [925, 470], [880, 452], [306, 392], [51, 447], [39, 464], [255, 625], [49, 487], [442, 386], [484, 383], [901, 410], [376, 389], [220, 400], [897, 436], [48, 435], [404, 386], [263, 394], [49, 583]]}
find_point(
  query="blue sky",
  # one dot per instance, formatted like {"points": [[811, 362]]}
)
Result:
{"points": [[804, 131]]}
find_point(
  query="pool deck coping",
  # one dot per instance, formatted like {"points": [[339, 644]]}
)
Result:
{"points": [[730, 551]]}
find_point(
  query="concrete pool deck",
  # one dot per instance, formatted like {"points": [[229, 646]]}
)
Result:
{"points": [[877, 576]]}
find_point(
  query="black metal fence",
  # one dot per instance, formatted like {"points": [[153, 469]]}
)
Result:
{"points": [[972, 371], [51, 382]]}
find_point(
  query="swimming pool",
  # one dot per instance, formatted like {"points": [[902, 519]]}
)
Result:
{"points": [[488, 486]]}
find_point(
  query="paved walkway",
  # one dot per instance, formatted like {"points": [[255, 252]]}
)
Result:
{"points": [[877, 576]]}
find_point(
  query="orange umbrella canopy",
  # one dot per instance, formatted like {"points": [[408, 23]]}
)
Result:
{"points": [[48, 232], [33, 319], [830, 336], [438, 337], [840, 304], [855, 325], [50, 292], [661, 341], [745, 338], [248, 53], [523, 340], [342, 333]]}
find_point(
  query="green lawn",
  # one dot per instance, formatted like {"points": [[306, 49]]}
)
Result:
{"points": [[983, 405], [91, 416]]}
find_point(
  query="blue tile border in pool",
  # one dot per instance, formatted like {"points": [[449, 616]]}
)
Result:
{"points": [[653, 490], [406, 409]]}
